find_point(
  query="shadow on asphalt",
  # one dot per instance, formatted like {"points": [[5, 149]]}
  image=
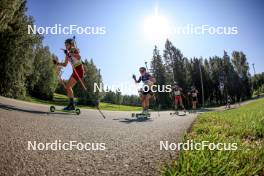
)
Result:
{"points": [[131, 120], [13, 108]]}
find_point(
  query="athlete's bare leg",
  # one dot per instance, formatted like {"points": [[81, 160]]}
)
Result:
{"points": [[70, 84], [181, 104]]}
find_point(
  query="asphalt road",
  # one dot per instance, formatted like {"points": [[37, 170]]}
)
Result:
{"points": [[132, 147]]}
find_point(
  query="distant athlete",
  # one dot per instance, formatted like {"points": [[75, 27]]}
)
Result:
{"points": [[228, 102], [178, 96], [145, 93], [73, 56], [194, 94]]}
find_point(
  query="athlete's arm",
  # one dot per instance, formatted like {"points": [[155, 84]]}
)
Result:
{"points": [[135, 79], [138, 81]]}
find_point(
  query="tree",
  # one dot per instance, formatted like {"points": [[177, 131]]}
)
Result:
{"points": [[159, 72], [174, 62], [42, 81], [17, 48], [8, 11], [241, 66], [258, 83]]}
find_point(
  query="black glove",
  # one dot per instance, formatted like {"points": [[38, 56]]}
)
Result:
{"points": [[65, 51], [55, 62], [134, 77]]}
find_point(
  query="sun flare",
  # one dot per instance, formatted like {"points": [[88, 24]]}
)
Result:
{"points": [[156, 27]]}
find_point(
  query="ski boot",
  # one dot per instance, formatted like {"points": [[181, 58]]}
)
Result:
{"points": [[70, 107]]}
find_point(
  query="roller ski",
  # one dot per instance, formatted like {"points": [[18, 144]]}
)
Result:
{"points": [[68, 109], [178, 113], [144, 114]]}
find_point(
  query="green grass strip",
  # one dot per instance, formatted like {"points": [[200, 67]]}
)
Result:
{"points": [[244, 126], [62, 100]]}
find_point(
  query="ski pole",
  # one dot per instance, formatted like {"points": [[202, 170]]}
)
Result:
{"points": [[75, 44], [61, 81], [59, 73], [98, 108], [157, 103], [146, 64]]}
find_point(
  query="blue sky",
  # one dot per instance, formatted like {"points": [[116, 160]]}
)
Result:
{"points": [[125, 47]]}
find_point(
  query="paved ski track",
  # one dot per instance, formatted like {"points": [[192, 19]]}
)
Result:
{"points": [[132, 146]]}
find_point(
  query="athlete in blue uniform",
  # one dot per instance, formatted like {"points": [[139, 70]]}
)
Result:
{"points": [[145, 93]]}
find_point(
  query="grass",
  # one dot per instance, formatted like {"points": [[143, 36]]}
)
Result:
{"points": [[62, 100], [255, 94], [244, 126]]}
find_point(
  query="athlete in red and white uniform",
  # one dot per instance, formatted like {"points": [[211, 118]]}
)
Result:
{"points": [[178, 96], [73, 56]]}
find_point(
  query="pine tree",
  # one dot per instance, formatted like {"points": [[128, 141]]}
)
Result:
{"points": [[159, 72], [16, 50]]}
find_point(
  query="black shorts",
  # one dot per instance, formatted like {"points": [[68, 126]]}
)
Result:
{"points": [[194, 99], [145, 91]]}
